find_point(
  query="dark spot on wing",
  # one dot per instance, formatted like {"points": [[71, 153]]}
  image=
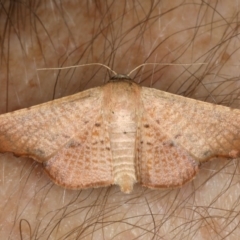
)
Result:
{"points": [[65, 136], [168, 143], [108, 148], [97, 124], [146, 125], [73, 144], [206, 153], [177, 136], [148, 143]]}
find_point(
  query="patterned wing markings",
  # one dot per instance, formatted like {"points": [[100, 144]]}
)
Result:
{"points": [[40, 131], [85, 161], [204, 130], [161, 162], [174, 135]]}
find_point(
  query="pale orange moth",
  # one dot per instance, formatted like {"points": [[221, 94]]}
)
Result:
{"points": [[122, 133]]}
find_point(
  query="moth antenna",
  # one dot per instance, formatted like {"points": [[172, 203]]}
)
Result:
{"points": [[164, 64], [81, 65]]}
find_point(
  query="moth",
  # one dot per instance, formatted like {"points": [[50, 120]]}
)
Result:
{"points": [[122, 133]]}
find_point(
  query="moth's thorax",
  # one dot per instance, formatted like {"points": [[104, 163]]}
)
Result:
{"points": [[122, 99]]}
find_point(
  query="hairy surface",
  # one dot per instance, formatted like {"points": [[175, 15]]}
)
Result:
{"points": [[121, 34]]}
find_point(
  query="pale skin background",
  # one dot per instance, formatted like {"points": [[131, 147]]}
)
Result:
{"points": [[121, 35]]}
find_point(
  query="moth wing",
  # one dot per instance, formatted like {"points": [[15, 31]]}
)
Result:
{"points": [[161, 162], [85, 161], [68, 135], [183, 133]]}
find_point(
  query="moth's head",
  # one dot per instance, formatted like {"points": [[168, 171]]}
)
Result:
{"points": [[120, 77]]}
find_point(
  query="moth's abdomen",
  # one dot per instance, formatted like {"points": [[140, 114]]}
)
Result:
{"points": [[121, 101], [122, 139]]}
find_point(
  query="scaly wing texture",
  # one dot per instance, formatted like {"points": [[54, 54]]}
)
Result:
{"points": [[161, 163], [85, 161], [177, 133], [68, 135]]}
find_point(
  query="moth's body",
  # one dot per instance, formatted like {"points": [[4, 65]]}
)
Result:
{"points": [[122, 133], [122, 113]]}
